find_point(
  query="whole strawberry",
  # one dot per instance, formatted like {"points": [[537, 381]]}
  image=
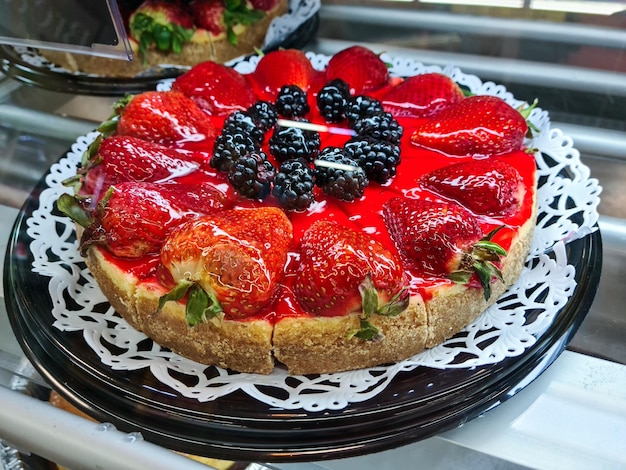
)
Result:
{"points": [[209, 15], [194, 198], [360, 68], [162, 24], [486, 186], [343, 270], [422, 95], [229, 262], [221, 16], [217, 89], [477, 125], [264, 5], [165, 117], [119, 158], [133, 218], [443, 239], [279, 68]]}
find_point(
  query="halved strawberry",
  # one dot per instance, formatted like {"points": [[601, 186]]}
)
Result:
{"points": [[133, 218], [217, 89], [163, 24], [486, 186], [422, 95], [360, 68], [443, 239], [117, 159], [164, 117], [228, 262], [477, 125], [343, 270], [279, 68]]}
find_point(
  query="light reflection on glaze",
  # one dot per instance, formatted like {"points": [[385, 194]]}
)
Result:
{"points": [[365, 213]]}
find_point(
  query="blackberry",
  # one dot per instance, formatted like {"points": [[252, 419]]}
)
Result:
{"points": [[229, 147], [242, 122], [293, 184], [380, 126], [332, 100], [263, 114], [252, 175], [292, 142], [339, 175], [378, 158], [292, 102], [362, 106]]}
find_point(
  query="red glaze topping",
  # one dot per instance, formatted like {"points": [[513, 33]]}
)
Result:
{"points": [[364, 214]]}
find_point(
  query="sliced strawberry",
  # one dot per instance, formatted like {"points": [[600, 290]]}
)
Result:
{"points": [[343, 270], [486, 186], [229, 262], [279, 68], [133, 219], [217, 89], [477, 125], [422, 95], [443, 239], [165, 117], [360, 68], [163, 24], [118, 159]]}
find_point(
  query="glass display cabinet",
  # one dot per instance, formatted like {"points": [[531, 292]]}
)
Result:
{"points": [[563, 406]]}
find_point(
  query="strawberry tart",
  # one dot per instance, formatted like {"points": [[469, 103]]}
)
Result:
{"points": [[164, 33], [325, 220]]}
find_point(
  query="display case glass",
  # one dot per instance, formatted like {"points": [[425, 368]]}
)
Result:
{"points": [[92, 27], [570, 55]]}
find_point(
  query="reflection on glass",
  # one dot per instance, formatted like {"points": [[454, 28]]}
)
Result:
{"points": [[495, 3], [83, 26], [593, 8], [570, 6]]}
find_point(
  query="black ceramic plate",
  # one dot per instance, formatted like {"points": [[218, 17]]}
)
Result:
{"points": [[415, 405], [13, 65]]}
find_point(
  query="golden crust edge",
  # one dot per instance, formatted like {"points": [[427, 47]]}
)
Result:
{"points": [[245, 346], [319, 345], [451, 310], [305, 345]]}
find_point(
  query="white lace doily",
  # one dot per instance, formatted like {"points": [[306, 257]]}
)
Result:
{"points": [[300, 11], [279, 30], [568, 201]]}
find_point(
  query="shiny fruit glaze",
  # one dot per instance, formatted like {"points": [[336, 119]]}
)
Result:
{"points": [[364, 214]]}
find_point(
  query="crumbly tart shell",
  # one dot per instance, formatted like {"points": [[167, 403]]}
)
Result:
{"points": [[305, 345], [217, 49]]}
